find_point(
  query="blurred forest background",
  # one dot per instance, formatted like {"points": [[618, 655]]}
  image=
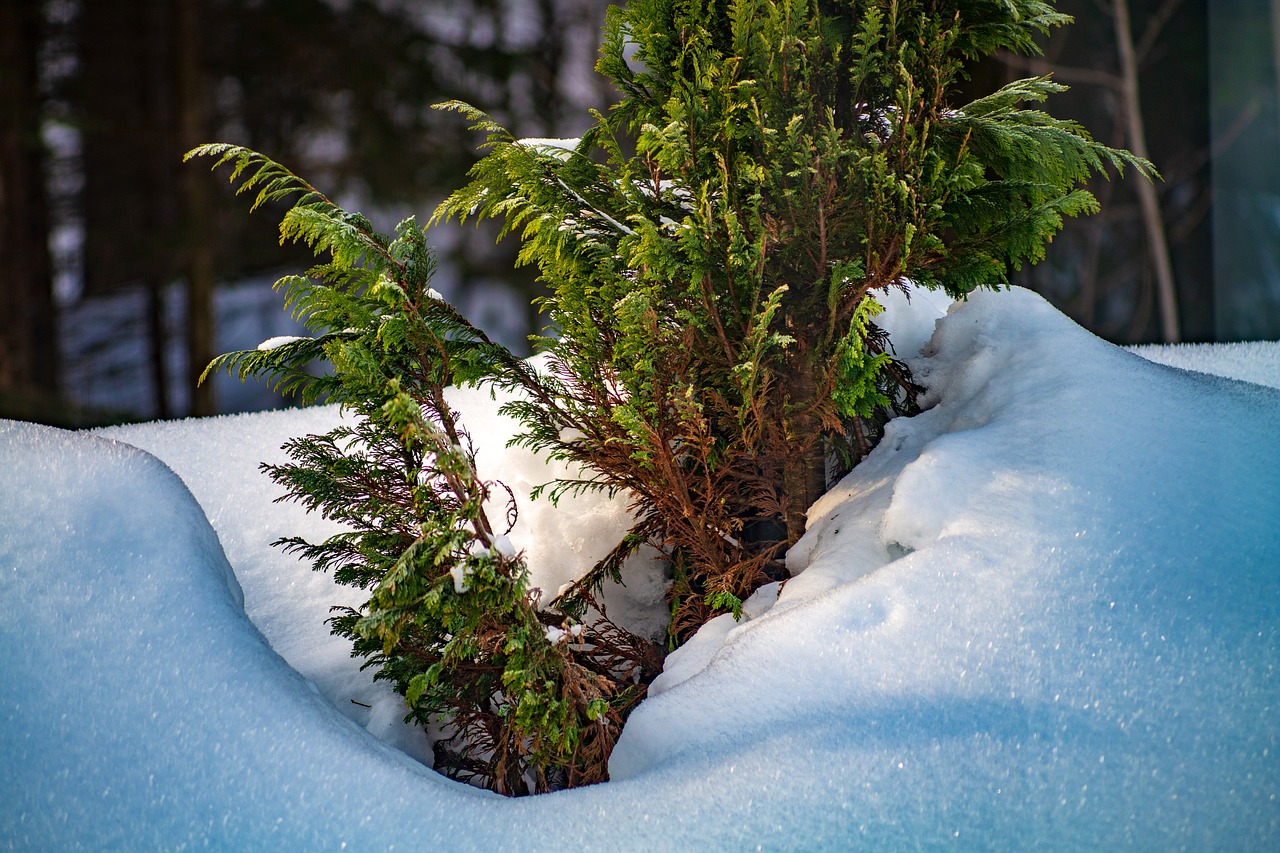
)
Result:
{"points": [[123, 271]]}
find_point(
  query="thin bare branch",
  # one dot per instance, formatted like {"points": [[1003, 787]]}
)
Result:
{"points": [[1155, 26], [1063, 73], [1153, 219]]}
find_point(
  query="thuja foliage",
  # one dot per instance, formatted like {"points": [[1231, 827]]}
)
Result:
{"points": [[715, 244], [714, 247], [528, 698]]}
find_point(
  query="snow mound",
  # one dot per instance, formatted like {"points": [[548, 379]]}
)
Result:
{"points": [[139, 708], [1044, 613]]}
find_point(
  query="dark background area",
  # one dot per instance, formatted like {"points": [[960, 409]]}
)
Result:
{"points": [[122, 263], [123, 271], [1105, 270]]}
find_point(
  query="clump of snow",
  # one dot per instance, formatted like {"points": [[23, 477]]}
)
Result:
{"points": [[561, 149], [459, 575], [1044, 613], [502, 545], [278, 341], [910, 316], [560, 541]]}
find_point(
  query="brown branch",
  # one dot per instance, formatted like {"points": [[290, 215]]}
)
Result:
{"points": [[1155, 25], [1066, 73], [1153, 219]]}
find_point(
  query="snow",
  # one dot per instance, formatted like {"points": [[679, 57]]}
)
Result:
{"points": [[1252, 361], [459, 575], [561, 149], [1042, 614], [278, 341]]}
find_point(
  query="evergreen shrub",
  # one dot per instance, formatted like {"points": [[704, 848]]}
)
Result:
{"points": [[713, 248]]}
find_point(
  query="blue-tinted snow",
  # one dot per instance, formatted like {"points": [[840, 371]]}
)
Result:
{"points": [[1250, 361], [1043, 614]]}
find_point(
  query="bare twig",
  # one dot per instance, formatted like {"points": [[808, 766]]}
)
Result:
{"points": [[1155, 25], [1062, 73], [1275, 40], [1152, 218]]}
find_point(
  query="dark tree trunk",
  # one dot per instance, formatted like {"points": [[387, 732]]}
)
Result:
{"points": [[804, 476], [128, 115], [156, 340], [28, 321], [198, 213]]}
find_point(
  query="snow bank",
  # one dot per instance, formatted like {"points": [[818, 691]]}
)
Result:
{"points": [[1044, 613]]}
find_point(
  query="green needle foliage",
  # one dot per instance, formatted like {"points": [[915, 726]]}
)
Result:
{"points": [[714, 246], [529, 699]]}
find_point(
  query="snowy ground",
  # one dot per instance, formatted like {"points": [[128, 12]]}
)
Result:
{"points": [[1043, 614]]}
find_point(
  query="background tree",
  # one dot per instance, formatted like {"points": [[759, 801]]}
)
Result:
{"points": [[114, 93], [29, 380]]}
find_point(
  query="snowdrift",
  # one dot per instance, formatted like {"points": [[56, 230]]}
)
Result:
{"points": [[1044, 613]]}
